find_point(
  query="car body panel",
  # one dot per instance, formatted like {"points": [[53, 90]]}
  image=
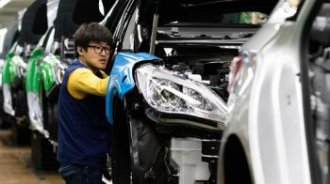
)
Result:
{"points": [[122, 80], [32, 83], [265, 104], [3, 33], [41, 84], [32, 70], [8, 69], [9, 72], [48, 71]]}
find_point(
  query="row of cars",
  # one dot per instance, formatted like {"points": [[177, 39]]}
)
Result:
{"points": [[208, 92], [33, 68]]}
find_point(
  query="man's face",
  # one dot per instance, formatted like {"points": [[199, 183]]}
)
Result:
{"points": [[96, 55]]}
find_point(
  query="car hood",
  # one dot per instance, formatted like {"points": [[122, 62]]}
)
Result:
{"points": [[186, 9]]}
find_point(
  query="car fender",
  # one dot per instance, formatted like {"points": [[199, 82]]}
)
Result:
{"points": [[9, 72], [121, 77], [32, 75], [48, 71]]}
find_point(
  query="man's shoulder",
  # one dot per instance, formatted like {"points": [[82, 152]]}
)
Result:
{"points": [[75, 64], [81, 72]]}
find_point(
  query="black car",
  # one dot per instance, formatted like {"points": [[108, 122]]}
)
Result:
{"points": [[167, 92]]}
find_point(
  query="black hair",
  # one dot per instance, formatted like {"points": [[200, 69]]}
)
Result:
{"points": [[91, 32]]}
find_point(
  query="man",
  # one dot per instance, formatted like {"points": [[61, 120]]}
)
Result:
{"points": [[83, 134]]}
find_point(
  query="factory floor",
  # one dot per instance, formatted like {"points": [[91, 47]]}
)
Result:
{"points": [[16, 165]]}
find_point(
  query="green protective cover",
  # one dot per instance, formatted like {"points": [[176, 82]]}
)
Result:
{"points": [[33, 73], [47, 67], [9, 72]]}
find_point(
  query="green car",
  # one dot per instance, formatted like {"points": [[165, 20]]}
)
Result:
{"points": [[8, 36], [9, 74], [13, 96], [42, 80]]}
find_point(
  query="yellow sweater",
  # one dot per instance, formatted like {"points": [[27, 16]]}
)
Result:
{"points": [[83, 81]]}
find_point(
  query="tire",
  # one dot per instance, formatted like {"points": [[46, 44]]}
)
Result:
{"points": [[52, 120], [120, 158], [20, 128], [49, 113], [42, 154], [5, 121], [20, 134], [147, 153], [138, 154], [49, 110], [21, 107]]}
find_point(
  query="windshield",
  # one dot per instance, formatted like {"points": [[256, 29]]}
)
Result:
{"points": [[238, 18]]}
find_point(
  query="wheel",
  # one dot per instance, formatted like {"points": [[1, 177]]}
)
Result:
{"points": [[52, 120], [120, 158], [6, 121], [138, 154], [42, 154], [21, 107], [20, 134], [147, 153], [49, 113], [20, 128]]}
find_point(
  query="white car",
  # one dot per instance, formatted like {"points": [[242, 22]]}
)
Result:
{"points": [[279, 107]]}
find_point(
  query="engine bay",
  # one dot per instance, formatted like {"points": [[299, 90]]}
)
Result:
{"points": [[205, 64]]}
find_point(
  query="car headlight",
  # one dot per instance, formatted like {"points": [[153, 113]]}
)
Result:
{"points": [[167, 92]]}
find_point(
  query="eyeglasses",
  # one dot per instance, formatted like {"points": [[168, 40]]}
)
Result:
{"points": [[100, 49]]}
